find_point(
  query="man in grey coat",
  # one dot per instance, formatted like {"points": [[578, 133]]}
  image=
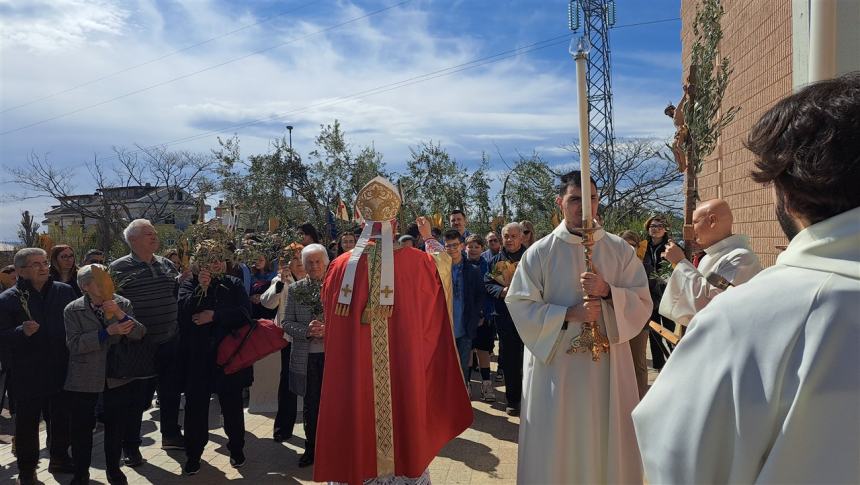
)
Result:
{"points": [[301, 322], [94, 327]]}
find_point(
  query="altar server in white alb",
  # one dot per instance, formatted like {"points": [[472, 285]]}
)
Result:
{"points": [[769, 374], [728, 261], [575, 424]]}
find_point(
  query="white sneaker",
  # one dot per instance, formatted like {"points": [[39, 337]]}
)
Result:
{"points": [[488, 393]]}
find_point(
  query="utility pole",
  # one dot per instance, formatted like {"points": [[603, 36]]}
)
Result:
{"points": [[595, 18]]}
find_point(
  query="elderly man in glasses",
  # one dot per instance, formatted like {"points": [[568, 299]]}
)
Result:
{"points": [[33, 339]]}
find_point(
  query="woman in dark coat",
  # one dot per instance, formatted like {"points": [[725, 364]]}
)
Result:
{"points": [[655, 245], [211, 306]]}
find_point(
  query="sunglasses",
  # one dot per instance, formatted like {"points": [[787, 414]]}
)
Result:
{"points": [[656, 226], [527, 232], [7, 271]]}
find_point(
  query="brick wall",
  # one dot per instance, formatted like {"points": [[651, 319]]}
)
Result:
{"points": [[757, 40]]}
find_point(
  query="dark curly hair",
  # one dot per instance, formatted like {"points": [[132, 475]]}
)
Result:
{"points": [[808, 147]]}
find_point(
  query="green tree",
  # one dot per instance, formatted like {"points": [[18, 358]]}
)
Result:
{"points": [[479, 209], [528, 192], [262, 186], [338, 171], [29, 231], [434, 182]]}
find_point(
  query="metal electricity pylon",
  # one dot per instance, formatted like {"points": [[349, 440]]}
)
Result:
{"points": [[594, 18]]}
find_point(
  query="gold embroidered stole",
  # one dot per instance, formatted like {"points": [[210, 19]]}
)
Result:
{"points": [[378, 317]]}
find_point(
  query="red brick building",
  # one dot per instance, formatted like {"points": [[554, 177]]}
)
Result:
{"points": [[767, 42]]}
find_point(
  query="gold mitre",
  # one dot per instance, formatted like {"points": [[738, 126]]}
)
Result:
{"points": [[378, 200]]}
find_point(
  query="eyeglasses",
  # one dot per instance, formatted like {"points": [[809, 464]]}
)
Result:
{"points": [[67, 256], [97, 261], [39, 264]]}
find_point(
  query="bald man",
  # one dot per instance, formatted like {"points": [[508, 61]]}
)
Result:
{"points": [[728, 262]]}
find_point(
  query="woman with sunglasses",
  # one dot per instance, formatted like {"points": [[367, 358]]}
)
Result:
{"points": [[529, 236], [657, 229], [63, 267]]}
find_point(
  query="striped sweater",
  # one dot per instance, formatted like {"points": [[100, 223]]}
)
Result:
{"points": [[151, 288]]}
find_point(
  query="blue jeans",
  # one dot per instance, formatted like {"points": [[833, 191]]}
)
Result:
{"points": [[464, 349]]}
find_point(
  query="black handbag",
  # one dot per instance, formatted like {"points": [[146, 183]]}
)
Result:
{"points": [[128, 359]]}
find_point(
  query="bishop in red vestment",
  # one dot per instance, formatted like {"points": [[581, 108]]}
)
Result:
{"points": [[418, 401]]}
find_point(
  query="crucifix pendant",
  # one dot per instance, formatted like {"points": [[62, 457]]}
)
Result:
{"points": [[590, 340]]}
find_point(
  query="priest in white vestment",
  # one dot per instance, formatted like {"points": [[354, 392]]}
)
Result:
{"points": [[727, 256], [575, 425], [765, 387]]}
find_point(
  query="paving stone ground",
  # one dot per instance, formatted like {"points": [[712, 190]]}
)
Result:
{"points": [[485, 453]]}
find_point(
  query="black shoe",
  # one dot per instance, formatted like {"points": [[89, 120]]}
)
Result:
{"points": [[173, 442], [133, 458], [61, 465], [192, 467], [26, 478], [237, 460], [513, 410], [117, 477], [80, 480], [307, 459]]}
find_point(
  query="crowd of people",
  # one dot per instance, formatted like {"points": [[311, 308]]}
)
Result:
{"points": [[97, 341]]}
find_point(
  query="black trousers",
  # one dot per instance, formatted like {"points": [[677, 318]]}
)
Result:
{"points": [[27, 416], [511, 360], [311, 403], [82, 408], [285, 420], [169, 383], [659, 348], [197, 421], [132, 417]]}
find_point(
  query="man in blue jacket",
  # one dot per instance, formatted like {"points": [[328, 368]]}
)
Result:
{"points": [[33, 339]]}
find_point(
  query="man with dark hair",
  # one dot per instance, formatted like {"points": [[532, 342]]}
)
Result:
{"points": [[576, 402], [457, 220], [94, 256], [33, 339], [779, 401]]}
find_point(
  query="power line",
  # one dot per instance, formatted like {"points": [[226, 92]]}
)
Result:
{"points": [[205, 69], [542, 44], [673, 19], [160, 58], [475, 63]]}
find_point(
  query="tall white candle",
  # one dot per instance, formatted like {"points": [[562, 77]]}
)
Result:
{"points": [[581, 58]]}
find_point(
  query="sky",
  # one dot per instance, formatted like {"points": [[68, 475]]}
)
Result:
{"points": [[78, 78]]}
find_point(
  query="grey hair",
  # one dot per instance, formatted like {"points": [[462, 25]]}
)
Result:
{"points": [[85, 274], [23, 255], [133, 228], [314, 248], [513, 225]]}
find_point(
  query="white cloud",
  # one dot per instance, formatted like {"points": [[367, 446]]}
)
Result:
{"points": [[59, 24], [516, 104]]}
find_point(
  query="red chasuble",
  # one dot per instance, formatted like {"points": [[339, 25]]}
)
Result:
{"points": [[429, 402]]}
